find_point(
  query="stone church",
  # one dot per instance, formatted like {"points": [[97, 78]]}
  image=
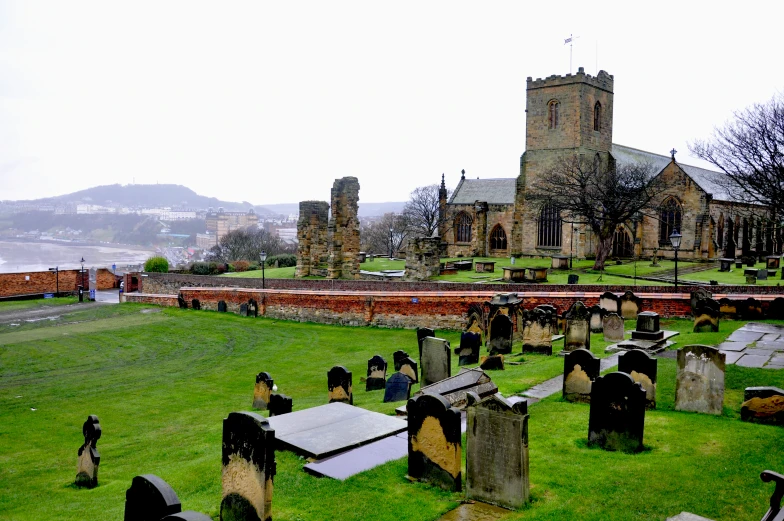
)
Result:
{"points": [[573, 115]]}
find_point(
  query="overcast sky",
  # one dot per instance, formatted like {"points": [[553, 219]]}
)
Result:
{"points": [[269, 102]]}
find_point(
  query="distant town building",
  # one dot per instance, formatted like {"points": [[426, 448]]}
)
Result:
{"points": [[221, 222]]}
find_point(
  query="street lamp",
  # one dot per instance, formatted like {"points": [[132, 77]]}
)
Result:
{"points": [[81, 291], [390, 243], [675, 240], [56, 271], [263, 257]]}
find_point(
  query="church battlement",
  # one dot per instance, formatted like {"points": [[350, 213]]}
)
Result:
{"points": [[602, 80]]}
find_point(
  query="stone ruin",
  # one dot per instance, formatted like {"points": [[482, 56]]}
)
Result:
{"points": [[312, 236], [422, 258]]}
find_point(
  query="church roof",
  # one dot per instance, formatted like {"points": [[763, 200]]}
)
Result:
{"points": [[491, 191]]}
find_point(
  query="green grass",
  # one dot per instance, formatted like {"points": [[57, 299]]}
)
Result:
{"points": [[14, 305], [161, 383], [734, 277]]}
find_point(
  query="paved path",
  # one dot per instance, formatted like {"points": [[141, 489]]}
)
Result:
{"points": [[755, 345]]}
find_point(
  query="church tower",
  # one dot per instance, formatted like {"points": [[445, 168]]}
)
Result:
{"points": [[565, 116]]}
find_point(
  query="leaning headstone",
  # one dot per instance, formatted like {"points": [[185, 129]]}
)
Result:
{"points": [[577, 334], [595, 322], [188, 515], [376, 373], [436, 360], [610, 302], [222, 306], [699, 385], [248, 458], [398, 388], [434, 441], [422, 333], [706, 315], [643, 369], [617, 417], [410, 368], [181, 301], [538, 330], [699, 294], [195, 304], [612, 327], [581, 368], [89, 457], [470, 345], [262, 391], [149, 499], [630, 305], [280, 404], [398, 357], [340, 385], [497, 451], [492, 363], [763, 405], [500, 334]]}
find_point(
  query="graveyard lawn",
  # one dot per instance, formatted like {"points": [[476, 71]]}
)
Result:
{"points": [[162, 380], [14, 305]]}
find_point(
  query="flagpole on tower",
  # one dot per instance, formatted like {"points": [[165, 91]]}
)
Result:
{"points": [[569, 41]]}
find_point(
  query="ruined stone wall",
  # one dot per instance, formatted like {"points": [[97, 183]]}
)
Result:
{"points": [[343, 231], [422, 260], [312, 236]]}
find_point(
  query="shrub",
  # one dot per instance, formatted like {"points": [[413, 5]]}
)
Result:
{"points": [[201, 268], [241, 265], [285, 260], [157, 264]]}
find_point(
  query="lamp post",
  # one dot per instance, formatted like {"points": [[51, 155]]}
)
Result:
{"points": [[263, 257], [390, 243], [81, 290], [675, 240], [56, 271]]}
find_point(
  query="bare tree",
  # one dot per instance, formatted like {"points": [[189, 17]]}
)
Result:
{"points": [[245, 244], [385, 234], [750, 151], [599, 195], [421, 212]]}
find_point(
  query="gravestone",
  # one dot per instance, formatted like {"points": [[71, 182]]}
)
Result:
{"points": [[422, 333], [617, 417], [195, 304], [339, 385], [398, 388], [643, 369], [499, 338], [243, 310], [262, 391], [610, 302], [630, 305], [648, 327], [455, 388], [538, 330], [706, 315], [573, 279], [181, 301], [376, 373], [188, 515], [222, 306], [577, 334], [699, 385], [750, 309], [434, 441], [398, 357], [89, 457], [772, 262], [728, 308], [497, 451], [595, 320], [699, 294], [725, 265], [248, 458], [436, 360], [762, 274], [475, 321], [763, 405], [776, 309], [280, 404], [492, 363], [253, 308], [470, 345], [149, 499], [581, 368], [552, 311], [612, 327], [409, 368]]}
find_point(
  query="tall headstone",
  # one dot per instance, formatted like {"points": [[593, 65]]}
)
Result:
{"points": [[617, 417], [763, 405], [262, 391], [610, 302], [497, 451], [248, 467], [706, 315], [398, 388], [539, 326], [630, 305], [89, 457], [436, 360], [470, 345], [581, 368], [643, 369], [596, 323], [376, 373], [340, 385], [612, 327], [699, 385], [422, 333], [280, 404], [577, 334], [149, 499], [499, 338], [434, 441], [410, 368]]}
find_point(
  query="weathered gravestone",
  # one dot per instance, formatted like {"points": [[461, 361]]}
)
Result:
{"points": [[89, 457], [280, 404], [763, 405], [572, 279], [188, 515], [248, 467], [243, 310], [581, 368], [149, 499], [643, 369], [699, 385], [181, 301], [697, 295], [630, 305], [595, 321], [253, 308], [776, 309], [262, 391], [499, 337], [376, 373], [195, 304], [434, 441], [750, 309], [422, 333], [456, 388], [410, 368], [552, 311], [497, 451], [762, 274], [398, 388], [577, 334], [436, 360], [492, 363], [397, 358], [610, 302], [339, 385], [470, 345], [222, 306], [617, 417], [706, 315], [648, 327], [612, 327], [539, 326]]}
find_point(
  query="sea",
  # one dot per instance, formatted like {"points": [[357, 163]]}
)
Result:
{"points": [[18, 256]]}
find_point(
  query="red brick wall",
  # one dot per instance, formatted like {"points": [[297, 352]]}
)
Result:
{"points": [[17, 284]]}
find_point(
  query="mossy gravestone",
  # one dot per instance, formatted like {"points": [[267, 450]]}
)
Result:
{"points": [[643, 369], [499, 337], [497, 451], [763, 405], [610, 302], [577, 334], [706, 315], [89, 457], [376, 373], [612, 328], [581, 368], [597, 314], [699, 385], [434, 441], [262, 391], [470, 345], [422, 333], [248, 458], [406, 365], [149, 499], [280, 404], [436, 360], [617, 417], [539, 326], [629, 305], [339, 385]]}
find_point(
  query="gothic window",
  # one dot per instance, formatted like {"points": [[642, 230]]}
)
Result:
{"points": [[498, 238], [669, 220], [554, 107], [622, 243], [597, 116], [720, 232], [550, 226], [463, 227]]}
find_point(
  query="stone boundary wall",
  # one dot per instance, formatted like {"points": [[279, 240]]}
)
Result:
{"points": [[40, 282]]}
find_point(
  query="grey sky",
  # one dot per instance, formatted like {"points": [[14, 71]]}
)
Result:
{"points": [[271, 101]]}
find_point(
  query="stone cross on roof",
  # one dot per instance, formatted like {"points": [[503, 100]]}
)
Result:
{"points": [[672, 153]]}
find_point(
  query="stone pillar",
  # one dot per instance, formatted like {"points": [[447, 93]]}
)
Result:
{"points": [[312, 236], [422, 260], [344, 230], [442, 208]]}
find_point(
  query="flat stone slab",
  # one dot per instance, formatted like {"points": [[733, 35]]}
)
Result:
{"points": [[688, 516], [646, 345], [759, 352], [752, 361], [556, 338], [343, 466], [325, 430], [731, 356], [770, 337], [732, 346], [763, 328], [773, 346], [475, 511], [743, 335], [555, 384]]}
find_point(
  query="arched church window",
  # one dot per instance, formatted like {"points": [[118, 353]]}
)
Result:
{"points": [[720, 231], [550, 226], [622, 243], [554, 108], [498, 238], [597, 116], [669, 220], [463, 223]]}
